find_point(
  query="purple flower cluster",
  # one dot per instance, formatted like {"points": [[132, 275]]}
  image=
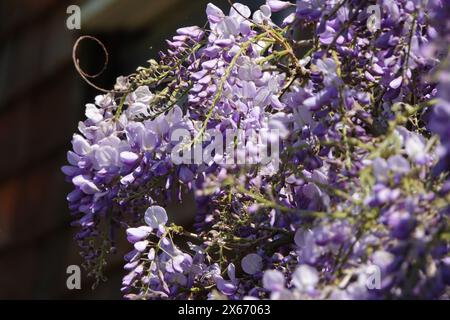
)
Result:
{"points": [[357, 207]]}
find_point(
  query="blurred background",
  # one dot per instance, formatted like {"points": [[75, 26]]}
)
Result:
{"points": [[42, 100]]}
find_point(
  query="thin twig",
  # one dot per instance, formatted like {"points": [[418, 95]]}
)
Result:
{"points": [[86, 76]]}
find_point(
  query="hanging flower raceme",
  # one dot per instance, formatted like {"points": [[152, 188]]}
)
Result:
{"points": [[319, 167]]}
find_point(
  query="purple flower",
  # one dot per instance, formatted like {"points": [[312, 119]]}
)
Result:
{"points": [[305, 278], [396, 83], [276, 5], [138, 234], [273, 280], [196, 33], [86, 185], [227, 287], [185, 174], [251, 263], [128, 157], [398, 164], [155, 216]]}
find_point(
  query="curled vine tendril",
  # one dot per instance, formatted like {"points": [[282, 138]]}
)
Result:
{"points": [[86, 76]]}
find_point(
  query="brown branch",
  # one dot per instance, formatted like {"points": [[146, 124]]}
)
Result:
{"points": [[86, 76]]}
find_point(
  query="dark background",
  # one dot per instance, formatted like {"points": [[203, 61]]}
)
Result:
{"points": [[42, 99]]}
